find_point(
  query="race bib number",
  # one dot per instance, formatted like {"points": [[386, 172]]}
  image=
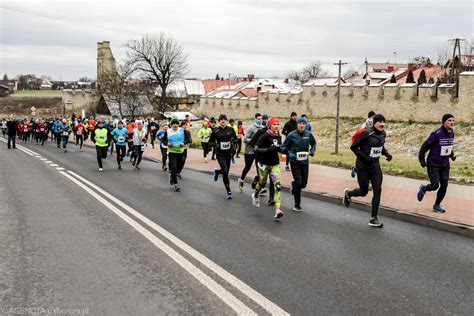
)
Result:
{"points": [[102, 138], [446, 150], [261, 166], [142, 147], [375, 152], [65, 134], [153, 128], [205, 137], [302, 156], [225, 145], [79, 132], [164, 146], [41, 129], [121, 139]]}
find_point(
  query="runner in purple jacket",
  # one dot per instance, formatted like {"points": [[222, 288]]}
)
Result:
{"points": [[440, 146]]}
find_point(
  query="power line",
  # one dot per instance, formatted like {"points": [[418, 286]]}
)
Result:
{"points": [[68, 19]]}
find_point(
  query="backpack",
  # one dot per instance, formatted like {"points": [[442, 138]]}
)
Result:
{"points": [[357, 134]]}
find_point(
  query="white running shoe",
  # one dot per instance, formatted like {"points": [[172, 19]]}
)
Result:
{"points": [[255, 200], [100, 169]]}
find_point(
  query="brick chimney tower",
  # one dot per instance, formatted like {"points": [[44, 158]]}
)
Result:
{"points": [[105, 60]]}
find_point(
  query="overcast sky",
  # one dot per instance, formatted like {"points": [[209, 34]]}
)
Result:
{"points": [[265, 38]]}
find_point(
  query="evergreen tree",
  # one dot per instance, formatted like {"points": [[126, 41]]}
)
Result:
{"points": [[410, 78], [393, 79], [5, 77], [422, 77], [217, 77], [431, 80]]}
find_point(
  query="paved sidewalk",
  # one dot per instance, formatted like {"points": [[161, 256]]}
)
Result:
{"points": [[398, 193]]}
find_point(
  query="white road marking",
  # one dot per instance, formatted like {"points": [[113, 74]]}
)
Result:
{"points": [[26, 152], [54, 165], [29, 150], [48, 161], [223, 294], [43, 159], [228, 277]]}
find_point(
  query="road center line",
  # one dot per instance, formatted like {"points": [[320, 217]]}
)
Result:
{"points": [[228, 277], [212, 285], [29, 150], [26, 152]]}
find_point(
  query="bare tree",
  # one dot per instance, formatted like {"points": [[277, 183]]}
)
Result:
{"points": [[421, 61], [160, 59], [293, 74], [132, 103], [113, 86], [443, 55], [313, 70], [309, 71]]}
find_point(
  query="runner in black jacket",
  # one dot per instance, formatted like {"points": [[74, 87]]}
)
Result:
{"points": [[223, 137], [368, 148], [268, 149]]}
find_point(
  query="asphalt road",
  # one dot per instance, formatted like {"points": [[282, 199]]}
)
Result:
{"points": [[63, 248]]}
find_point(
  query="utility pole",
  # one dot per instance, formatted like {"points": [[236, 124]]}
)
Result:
{"points": [[340, 63], [457, 44], [367, 81], [228, 81]]}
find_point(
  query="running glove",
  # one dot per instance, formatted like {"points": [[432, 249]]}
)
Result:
{"points": [[423, 163], [389, 157]]}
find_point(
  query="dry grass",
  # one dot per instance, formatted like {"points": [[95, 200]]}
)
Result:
{"points": [[403, 142]]}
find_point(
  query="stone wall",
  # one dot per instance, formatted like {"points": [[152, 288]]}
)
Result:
{"points": [[77, 100], [404, 102]]}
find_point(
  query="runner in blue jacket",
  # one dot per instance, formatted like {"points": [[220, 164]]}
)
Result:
{"points": [[299, 145]]}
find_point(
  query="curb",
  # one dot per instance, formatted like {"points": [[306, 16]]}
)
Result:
{"points": [[385, 211], [451, 227]]}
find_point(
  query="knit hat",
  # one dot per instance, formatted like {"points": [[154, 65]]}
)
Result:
{"points": [[174, 121], [302, 120], [446, 117], [272, 121], [222, 117], [293, 114], [378, 118]]}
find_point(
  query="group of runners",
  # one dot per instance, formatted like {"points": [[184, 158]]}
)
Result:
{"points": [[265, 141]]}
